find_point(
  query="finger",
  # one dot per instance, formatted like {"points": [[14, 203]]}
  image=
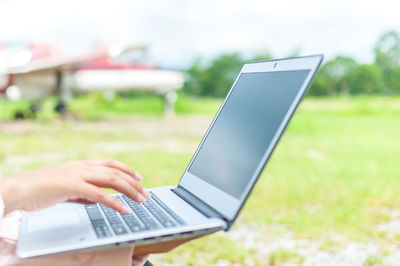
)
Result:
{"points": [[106, 178], [94, 194], [128, 179], [117, 165], [110, 173], [139, 260], [107, 171]]}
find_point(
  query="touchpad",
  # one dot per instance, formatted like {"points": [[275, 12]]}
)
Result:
{"points": [[53, 220]]}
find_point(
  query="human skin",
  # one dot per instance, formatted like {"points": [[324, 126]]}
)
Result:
{"points": [[75, 181], [79, 182]]}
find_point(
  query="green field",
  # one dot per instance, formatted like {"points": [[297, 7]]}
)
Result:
{"points": [[334, 175]]}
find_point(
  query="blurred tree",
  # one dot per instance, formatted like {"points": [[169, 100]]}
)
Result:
{"points": [[222, 73], [332, 78], [193, 85], [340, 76], [392, 81], [366, 79], [387, 58], [321, 86], [216, 79], [387, 50]]}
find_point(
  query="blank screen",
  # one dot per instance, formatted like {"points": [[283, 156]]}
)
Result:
{"points": [[245, 127]]}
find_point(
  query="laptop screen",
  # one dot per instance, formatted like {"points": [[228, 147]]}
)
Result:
{"points": [[245, 127]]}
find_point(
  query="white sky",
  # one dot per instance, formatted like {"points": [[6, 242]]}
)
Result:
{"points": [[178, 31]]}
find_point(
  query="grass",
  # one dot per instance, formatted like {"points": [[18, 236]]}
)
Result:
{"points": [[332, 168], [200, 252], [373, 260], [333, 172], [282, 256], [94, 106]]}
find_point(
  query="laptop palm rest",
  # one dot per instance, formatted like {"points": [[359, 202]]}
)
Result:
{"points": [[54, 220]]}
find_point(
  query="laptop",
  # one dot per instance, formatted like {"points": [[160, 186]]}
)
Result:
{"points": [[212, 189]]}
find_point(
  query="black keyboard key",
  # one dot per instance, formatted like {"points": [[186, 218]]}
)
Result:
{"points": [[99, 224], [94, 212], [158, 213], [144, 216], [131, 221], [167, 209], [141, 212], [114, 220]]}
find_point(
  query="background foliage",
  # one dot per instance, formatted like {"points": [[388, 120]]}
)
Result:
{"points": [[341, 75]]}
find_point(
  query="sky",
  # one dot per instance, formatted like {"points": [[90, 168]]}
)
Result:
{"points": [[179, 31]]}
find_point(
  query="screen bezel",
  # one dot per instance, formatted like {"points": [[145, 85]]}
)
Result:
{"points": [[224, 203]]}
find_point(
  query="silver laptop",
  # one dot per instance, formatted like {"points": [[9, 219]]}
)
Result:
{"points": [[215, 184]]}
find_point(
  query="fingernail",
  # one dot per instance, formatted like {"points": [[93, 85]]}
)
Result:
{"points": [[126, 210], [141, 198], [145, 193], [139, 176]]}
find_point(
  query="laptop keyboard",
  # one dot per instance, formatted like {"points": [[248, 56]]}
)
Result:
{"points": [[98, 222], [149, 215], [114, 220]]}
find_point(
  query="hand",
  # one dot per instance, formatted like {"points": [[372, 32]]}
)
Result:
{"points": [[76, 181], [139, 260]]}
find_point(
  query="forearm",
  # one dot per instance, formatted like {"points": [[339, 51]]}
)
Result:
{"points": [[12, 193]]}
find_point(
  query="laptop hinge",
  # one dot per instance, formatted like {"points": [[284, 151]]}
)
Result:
{"points": [[198, 204]]}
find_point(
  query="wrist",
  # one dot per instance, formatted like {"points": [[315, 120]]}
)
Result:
{"points": [[11, 192]]}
